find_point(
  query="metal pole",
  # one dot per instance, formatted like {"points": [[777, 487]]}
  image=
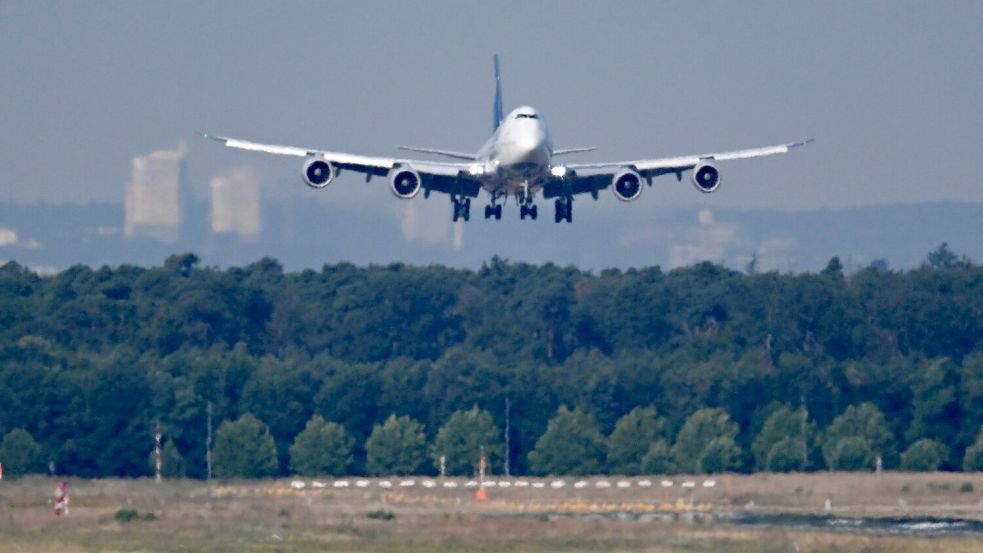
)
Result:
{"points": [[805, 439], [208, 443], [508, 437], [158, 462]]}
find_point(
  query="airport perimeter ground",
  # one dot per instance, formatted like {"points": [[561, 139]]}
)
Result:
{"points": [[429, 517]]}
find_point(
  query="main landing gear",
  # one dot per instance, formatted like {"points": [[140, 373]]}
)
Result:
{"points": [[564, 211], [528, 210], [462, 209], [493, 211]]}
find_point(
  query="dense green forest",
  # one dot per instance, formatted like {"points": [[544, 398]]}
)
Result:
{"points": [[702, 368]]}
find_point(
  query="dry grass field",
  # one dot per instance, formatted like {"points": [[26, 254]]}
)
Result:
{"points": [[273, 516]]}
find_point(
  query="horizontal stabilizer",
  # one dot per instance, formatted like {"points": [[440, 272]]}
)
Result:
{"points": [[574, 150], [445, 153]]}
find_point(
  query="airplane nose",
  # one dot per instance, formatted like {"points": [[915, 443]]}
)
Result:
{"points": [[531, 148], [528, 144]]}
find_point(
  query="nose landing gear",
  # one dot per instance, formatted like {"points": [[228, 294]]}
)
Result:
{"points": [[526, 207]]}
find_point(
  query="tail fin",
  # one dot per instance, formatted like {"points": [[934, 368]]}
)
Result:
{"points": [[498, 95]]}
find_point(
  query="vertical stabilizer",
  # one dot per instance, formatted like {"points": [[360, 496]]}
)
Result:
{"points": [[498, 95]]}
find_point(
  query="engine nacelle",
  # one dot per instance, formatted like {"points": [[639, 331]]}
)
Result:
{"points": [[627, 185], [318, 172], [706, 177], [405, 182]]}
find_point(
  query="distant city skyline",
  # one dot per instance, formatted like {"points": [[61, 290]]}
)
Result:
{"points": [[305, 235]]}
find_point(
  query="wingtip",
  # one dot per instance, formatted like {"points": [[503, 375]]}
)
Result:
{"points": [[802, 143]]}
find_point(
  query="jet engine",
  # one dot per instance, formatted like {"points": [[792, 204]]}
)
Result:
{"points": [[404, 182], [318, 173], [627, 185], [706, 177]]}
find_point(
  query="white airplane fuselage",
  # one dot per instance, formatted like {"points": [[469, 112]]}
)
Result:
{"points": [[517, 158]]}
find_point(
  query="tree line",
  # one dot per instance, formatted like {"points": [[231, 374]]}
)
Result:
{"points": [[572, 445], [786, 371]]}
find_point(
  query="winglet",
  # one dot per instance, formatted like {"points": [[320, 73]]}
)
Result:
{"points": [[802, 143], [498, 96]]}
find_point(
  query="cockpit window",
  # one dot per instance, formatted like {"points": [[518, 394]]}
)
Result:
{"points": [[526, 116]]}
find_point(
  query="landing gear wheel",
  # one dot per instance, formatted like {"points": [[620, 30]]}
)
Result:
{"points": [[462, 209], [533, 212], [523, 210], [488, 211], [498, 212], [564, 211]]}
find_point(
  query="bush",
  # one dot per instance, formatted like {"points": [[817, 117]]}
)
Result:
{"points": [[381, 515], [126, 515], [19, 453], [851, 453], [172, 462], [924, 455], [966, 487]]}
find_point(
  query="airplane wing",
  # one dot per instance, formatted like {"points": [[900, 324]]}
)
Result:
{"points": [[591, 177], [445, 177]]}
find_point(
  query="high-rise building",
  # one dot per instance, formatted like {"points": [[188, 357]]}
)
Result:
{"points": [[236, 204], [153, 196]]}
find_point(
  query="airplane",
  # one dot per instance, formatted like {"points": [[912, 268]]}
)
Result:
{"points": [[517, 162]]}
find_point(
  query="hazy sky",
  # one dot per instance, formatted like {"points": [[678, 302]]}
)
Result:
{"points": [[891, 91]]}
